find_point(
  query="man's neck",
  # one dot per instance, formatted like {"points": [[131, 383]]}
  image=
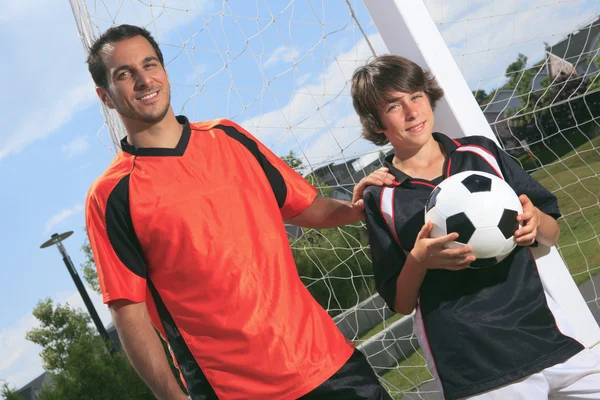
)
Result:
{"points": [[164, 134]]}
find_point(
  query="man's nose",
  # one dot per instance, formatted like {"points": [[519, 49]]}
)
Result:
{"points": [[143, 80]]}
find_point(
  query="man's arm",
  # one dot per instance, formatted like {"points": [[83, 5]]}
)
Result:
{"points": [[327, 213], [144, 349]]}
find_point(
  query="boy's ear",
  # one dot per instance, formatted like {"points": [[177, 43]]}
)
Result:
{"points": [[104, 97]]}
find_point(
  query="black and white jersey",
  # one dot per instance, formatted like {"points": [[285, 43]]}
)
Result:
{"points": [[479, 328]]}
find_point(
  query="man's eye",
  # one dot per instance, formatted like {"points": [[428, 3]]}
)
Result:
{"points": [[124, 74], [417, 96]]}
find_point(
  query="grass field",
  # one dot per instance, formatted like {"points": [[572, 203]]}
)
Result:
{"points": [[575, 180]]}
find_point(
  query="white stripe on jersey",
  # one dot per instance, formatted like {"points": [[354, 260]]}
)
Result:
{"points": [[480, 151], [387, 210]]}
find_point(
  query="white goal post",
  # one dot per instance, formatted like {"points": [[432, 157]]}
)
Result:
{"points": [[408, 30]]}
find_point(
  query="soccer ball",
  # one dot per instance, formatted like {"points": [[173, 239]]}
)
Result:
{"points": [[481, 208]]}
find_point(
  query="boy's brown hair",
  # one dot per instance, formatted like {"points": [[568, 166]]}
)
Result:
{"points": [[373, 83]]}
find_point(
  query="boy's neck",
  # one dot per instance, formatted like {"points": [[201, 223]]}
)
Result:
{"points": [[163, 134], [426, 162]]}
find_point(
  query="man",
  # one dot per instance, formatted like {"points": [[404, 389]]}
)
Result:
{"points": [[186, 227]]}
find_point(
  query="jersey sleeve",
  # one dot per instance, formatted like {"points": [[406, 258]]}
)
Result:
{"points": [[387, 256], [522, 182], [293, 193], [116, 250]]}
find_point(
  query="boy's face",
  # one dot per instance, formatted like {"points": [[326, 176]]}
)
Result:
{"points": [[138, 85], [408, 119]]}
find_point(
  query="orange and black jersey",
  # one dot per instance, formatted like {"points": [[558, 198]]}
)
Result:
{"points": [[479, 328], [197, 233]]}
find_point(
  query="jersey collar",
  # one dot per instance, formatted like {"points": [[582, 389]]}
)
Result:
{"points": [[159, 151], [447, 143]]}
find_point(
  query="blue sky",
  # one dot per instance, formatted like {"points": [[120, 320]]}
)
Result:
{"points": [[53, 143]]}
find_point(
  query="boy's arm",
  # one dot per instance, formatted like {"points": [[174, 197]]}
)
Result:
{"points": [[540, 207], [537, 225], [144, 349]]}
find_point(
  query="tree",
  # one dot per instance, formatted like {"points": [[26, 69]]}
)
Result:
{"points": [[481, 97], [77, 359], [60, 326], [515, 71], [9, 394], [334, 266], [293, 161]]}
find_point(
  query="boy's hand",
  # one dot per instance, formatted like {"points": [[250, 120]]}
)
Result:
{"points": [[431, 253], [530, 219], [378, 177]]}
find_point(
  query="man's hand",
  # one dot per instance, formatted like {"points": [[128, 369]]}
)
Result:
{"points": [[431, 253], [379, 177], [530, 219]]}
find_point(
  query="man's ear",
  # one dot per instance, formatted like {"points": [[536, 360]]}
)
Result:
{"points": [[104, 97]]}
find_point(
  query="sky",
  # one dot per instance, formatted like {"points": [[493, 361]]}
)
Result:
{"points": [[284, 76]]}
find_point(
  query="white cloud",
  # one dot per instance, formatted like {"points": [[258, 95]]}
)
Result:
{"points": [[282, 53], [486, 36], [315, 106], [19, 359], [76, 147], [61, 217]]}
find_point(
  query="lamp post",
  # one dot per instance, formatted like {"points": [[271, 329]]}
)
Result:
{"points": [[57, 239]]}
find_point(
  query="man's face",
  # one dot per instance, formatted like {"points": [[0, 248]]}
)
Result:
{"points": [[408, 119], [137, 85]]}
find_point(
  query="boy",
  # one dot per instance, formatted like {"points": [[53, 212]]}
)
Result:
{"points": [[486, 333]]}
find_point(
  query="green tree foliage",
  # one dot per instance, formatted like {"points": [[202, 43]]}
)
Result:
{"points": [[60, 326], [88, 267], [77, 359], [481, 97], [7, 393], [335, 267]]}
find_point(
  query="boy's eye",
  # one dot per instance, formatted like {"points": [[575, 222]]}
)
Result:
{"points": [[392, 107], [417, 96]]}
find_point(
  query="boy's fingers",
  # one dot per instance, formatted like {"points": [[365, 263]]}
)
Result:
{"points": [[425, 230], [446, 238]]}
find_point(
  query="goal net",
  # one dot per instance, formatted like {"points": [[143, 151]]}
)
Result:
{"points": [[282, 70]]}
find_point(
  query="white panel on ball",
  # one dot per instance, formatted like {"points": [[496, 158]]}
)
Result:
{"points": [[487, 242], [452, 199], [484, 209], [439, 222]]}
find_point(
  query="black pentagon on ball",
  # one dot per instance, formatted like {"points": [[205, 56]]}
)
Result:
{"points": [[508, 223], [462, 225], [477, 183], [432, 198]]}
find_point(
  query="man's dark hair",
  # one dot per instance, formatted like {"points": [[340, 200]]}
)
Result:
{"points": [[373, 84], [115, 34]]}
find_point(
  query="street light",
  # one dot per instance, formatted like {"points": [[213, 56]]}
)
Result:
{"points": [[56, 239]]}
